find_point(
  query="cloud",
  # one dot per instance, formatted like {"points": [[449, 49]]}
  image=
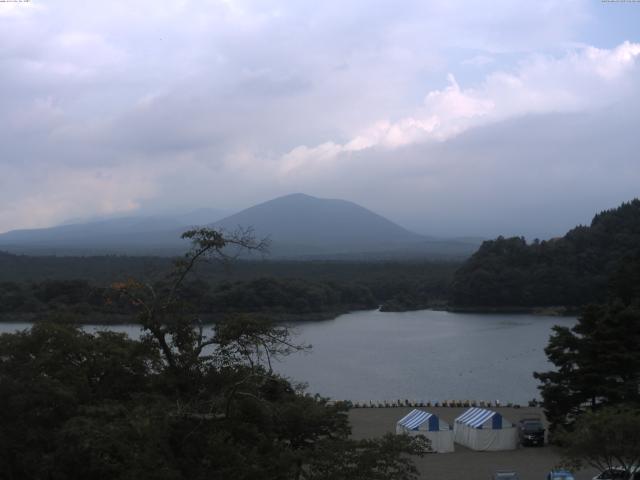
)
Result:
{"points": [[583, 79], [478, 60], [536, 175], [63, 193], [152, 105]]}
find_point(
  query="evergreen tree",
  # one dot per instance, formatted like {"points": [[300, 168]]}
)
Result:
{"points": [[598, 360]]}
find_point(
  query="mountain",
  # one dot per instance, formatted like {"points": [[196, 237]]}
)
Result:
{"points": [[298, 226], [303, 226], [317, 225], [144, 234], [570, 271]]}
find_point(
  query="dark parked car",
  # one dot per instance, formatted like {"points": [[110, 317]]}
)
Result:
{"points": [[531, 432]]}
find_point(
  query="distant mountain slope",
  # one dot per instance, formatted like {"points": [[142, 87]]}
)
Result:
{"points": [[299, 226], [306, 224], [159, 234], [571, 271]]}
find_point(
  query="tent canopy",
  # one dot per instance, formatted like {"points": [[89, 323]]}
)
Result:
{"points": [[482, 418], [416, 419], [481, 429], [418, 422]]}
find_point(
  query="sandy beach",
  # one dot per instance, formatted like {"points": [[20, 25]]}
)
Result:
{"points": [[531, 463]]}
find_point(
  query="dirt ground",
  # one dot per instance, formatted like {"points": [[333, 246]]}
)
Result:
{"points": [[531, 463]]}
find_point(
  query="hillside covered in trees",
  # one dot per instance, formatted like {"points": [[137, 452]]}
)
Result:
{"points": [[34, 287], [570, 271], [264, 295]]}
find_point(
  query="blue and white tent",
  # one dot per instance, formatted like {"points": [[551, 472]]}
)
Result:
{"points": [[481, 429], [419, 422]]}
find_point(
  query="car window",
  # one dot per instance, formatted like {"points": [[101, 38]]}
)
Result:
{"points": [[532, 426]]}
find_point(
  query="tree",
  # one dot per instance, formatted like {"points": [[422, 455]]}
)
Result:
{"points": [[162, 313], [598, 363], [54, 374], [598, 360], [181, 403], [605, 439], [377, 459]]}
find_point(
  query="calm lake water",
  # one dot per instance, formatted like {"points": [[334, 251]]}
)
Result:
{"points": [[423, 355]]}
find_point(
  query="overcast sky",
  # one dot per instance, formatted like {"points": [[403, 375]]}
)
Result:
{"points": [[450, 117]]}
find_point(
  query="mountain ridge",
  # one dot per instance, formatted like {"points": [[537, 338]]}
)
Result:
{"points": [[298, 225], [335, 222]]}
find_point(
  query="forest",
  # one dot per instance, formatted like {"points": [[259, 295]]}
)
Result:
{"points": [[570, 271], [31, 287]]}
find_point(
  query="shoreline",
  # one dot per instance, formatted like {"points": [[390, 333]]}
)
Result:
{"points": [[101, 318], [549, 311], [391, 404]]}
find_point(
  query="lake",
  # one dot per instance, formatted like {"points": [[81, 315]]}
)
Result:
{"points": [[423, 355]]}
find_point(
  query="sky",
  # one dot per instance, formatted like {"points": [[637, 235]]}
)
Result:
{"points": [[451, 117]]}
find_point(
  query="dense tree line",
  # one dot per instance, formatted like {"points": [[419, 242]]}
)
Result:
{"points": [[100, 270], [181, 403], [275, 287], [266, 295], [297, 296], [50, 296], [106, 269], [598, 360], [571, 271]]}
